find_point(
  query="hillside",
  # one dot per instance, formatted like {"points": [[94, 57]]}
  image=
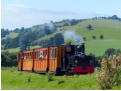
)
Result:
{"points": [[110, 29]]}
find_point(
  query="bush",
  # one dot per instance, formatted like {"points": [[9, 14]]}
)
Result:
{"points": [[101, 37], [112, 51], [109, 74], [29, 79], [50, 77], [89, 27], [8, 59], [84, 38], [93, 37], [60, 81], [96, 62]]}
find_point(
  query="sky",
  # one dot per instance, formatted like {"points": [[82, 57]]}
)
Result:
{"points": [[26, 13]]}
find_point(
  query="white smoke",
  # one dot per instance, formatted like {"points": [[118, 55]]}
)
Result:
{"points": [[50, 25], [71, 35]]}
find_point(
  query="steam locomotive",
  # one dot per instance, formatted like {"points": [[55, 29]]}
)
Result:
{"points": [[63, 59]]}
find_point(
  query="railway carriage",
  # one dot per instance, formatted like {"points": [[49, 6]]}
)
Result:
{"points": [[64, 59]]}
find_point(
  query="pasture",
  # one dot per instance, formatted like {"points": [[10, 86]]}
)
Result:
{"points": [[11, 79]]}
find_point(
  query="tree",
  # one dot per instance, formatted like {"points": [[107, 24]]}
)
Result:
{"points": [[26, 40], [8, 59], [59, 39], [114, 17], [112, 51], [89, 27], [101, 37], [73, 22], [66, 24], [4, 32], [84, 38], [93, 37]]}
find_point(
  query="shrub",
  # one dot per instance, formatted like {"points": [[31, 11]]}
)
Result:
{"points": [[89, 27], [29, 79], [84, 38], [50, 77], [101, 37], [8, 59], [112, 51], [93, 37], [60, 81], [96, 62], [109, 74]]}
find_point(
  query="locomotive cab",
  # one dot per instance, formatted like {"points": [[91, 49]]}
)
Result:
{"points": [[76, 61]]}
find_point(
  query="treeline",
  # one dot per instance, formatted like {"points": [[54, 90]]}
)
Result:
{"points": [[73, 22], [27, 35], [114, 17], [8, 59], [57, 39]]}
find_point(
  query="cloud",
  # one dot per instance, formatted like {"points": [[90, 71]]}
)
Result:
{"points": [[14, 16]]}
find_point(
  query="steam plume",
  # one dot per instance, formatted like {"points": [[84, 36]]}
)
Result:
{"points": [[71, 35]]}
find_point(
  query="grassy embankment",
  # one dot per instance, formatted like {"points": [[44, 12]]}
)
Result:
{"points": [[12, 79]]}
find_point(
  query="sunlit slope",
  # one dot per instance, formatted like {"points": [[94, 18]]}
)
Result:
{"points": [[110, 29]]}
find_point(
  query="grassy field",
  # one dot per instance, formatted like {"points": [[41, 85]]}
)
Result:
{"points": [[11, 79], [11, 35], [98, 47], [13, 50]]}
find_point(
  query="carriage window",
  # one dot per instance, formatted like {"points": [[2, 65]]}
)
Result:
{"points": [[41, 56], [46, 54], [27, 55], [35, 55], [55, 52], [38, 54], [51, 53], [24, 56], [30, 55]]}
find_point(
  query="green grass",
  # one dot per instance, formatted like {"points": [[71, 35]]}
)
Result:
{"points": [[11, 79], [13, 50], [35, 47], [98, 47], [11, 35], [110, 29]]}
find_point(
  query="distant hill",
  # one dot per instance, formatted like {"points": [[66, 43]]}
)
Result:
{"points": [[99, 34]]}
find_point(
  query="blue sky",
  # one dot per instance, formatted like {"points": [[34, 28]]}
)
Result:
{"points": [[26, 13]]}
